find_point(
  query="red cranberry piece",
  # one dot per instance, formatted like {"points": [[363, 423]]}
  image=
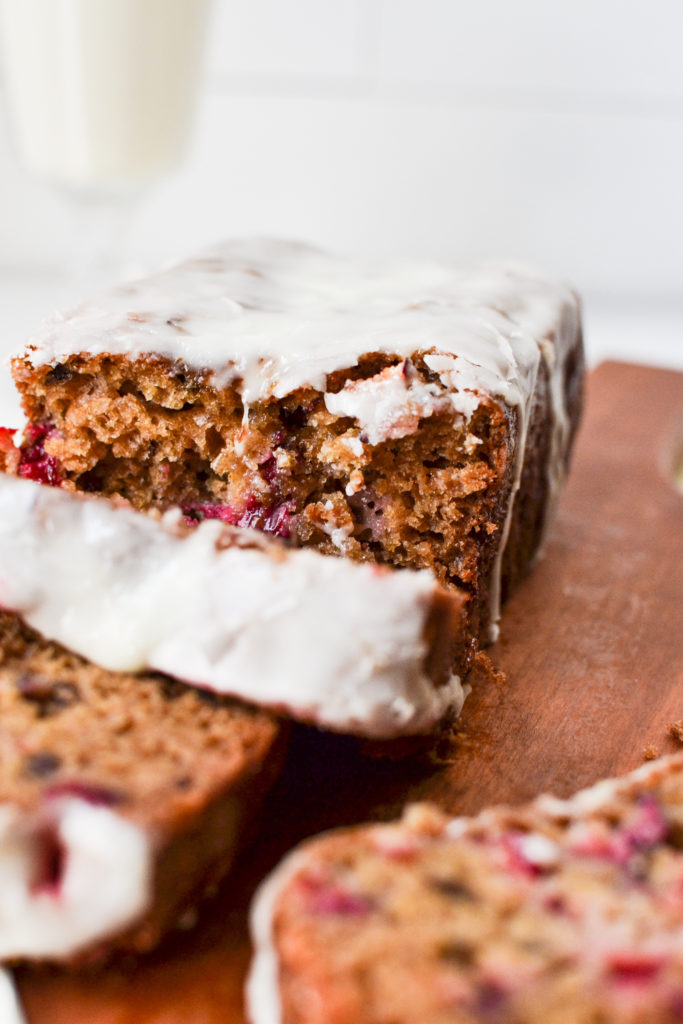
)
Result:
{"points": [[274, 519], [333, 898], [251, 517], [35, 432], [516, 859], [277, 520], [635, 968], [98, 796], [35, 463], [555, 904], [604, 847], [490, 998], [346, 904], [211, 510], [50, 863], [649, 827], [269, 469]]}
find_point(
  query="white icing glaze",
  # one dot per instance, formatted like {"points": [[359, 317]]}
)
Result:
{"points": [[105, 883], [270, 316], [273, 316], [262, 990], [10, 1007], [337, 643], [390, 404]]}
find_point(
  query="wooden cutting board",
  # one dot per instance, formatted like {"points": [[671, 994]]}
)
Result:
{"points": [[592, 652]]}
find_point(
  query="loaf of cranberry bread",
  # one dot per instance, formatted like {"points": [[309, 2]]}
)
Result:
{"points": [[349, 647], [564, 911], [123, 799], [418, 416]]}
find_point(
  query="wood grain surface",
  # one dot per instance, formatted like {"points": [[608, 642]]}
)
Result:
{"points": [[592, 653]]}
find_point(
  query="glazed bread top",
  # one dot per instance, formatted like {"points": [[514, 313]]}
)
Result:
{"points": [[269, 317]]}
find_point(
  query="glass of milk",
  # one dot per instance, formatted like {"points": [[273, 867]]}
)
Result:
{"points": [[101, 93]]}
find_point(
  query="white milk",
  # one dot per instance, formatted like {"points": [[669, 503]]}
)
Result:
{"points": [[101, 92]]}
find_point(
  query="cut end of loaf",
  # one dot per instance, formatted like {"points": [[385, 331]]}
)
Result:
{"points": [[433, 495]]}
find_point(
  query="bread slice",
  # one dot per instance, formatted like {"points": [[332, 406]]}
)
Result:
{"points": [[122, 799], [355, 648], [560, 911]]}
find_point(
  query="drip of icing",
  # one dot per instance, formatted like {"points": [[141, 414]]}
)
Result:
{"points": [[262, 989], [268, 317], [335, 642], [555, 357]]}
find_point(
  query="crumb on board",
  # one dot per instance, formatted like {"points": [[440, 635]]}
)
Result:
{"points": [[450, 742], [675, 730], [483, 664], [650, 752]]}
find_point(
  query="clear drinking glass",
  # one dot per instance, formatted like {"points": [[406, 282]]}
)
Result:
{"points": [[101, 95]]}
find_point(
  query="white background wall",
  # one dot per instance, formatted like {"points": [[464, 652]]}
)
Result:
{"points": [[546, 130]]}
